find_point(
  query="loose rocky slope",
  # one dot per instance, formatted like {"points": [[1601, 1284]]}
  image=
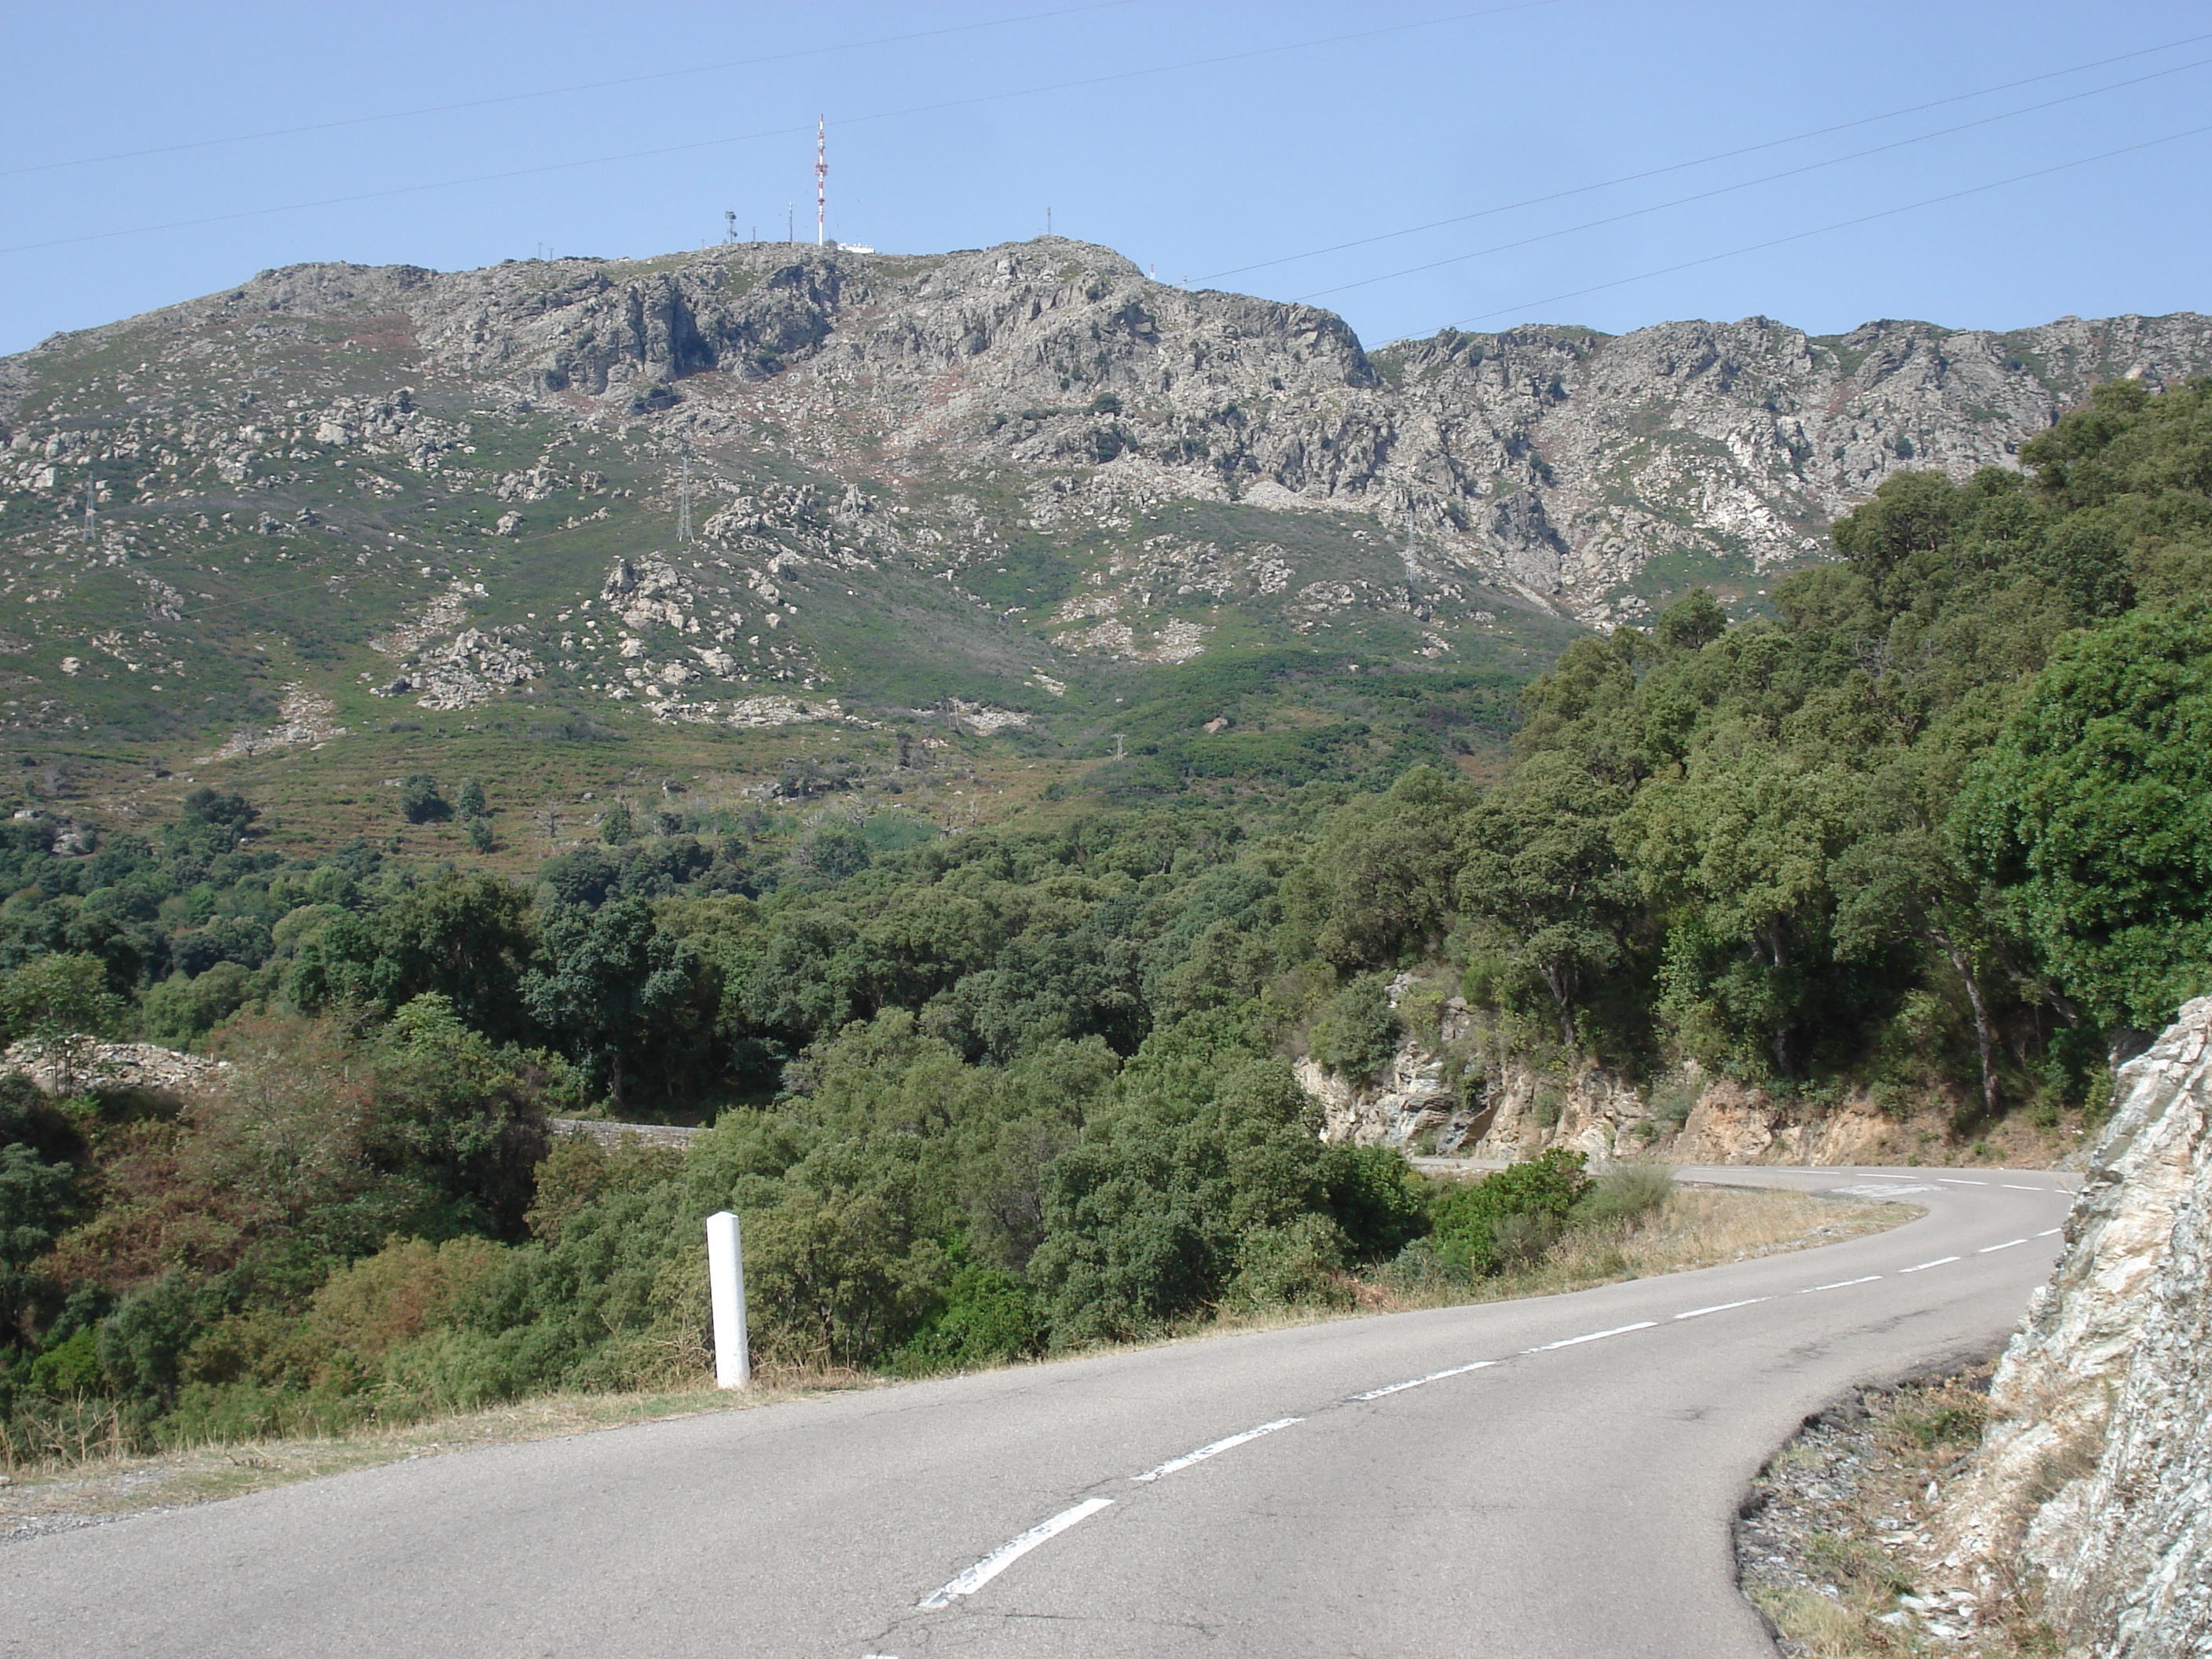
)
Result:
{"points": [[995, 474]]}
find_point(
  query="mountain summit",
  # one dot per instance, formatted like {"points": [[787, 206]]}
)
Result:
{"points": [[717, 485]]}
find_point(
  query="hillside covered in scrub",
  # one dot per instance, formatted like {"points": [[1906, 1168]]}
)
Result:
{"points": [[1019, 491], [1935, 830]]}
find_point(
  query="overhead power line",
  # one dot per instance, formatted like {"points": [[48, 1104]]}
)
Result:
{"points": [[783, 132], [1840, 224], [560, 92], [1749, 184], [1707, 160]]}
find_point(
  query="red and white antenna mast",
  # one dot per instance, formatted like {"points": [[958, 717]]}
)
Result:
{"points": [[820, 179]]}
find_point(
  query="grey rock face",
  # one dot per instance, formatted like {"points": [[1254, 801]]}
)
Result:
{"points": [[1554, 462], [2134, 1579], [2096, 1474]]}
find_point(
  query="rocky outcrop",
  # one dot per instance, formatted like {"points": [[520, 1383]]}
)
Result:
{"points": [[1554, 462], [612, 1136], [1410, 1103], [2095, 1479], [1425, 1100], [1448, 1097], [85, 1066], [1734, 1123], [1033, 459]]}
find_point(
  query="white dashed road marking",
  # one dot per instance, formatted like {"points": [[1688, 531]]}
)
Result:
{"points": [[1569, 1342], [1216, 1448], [1014, 1548], [1011, 1551], [1924, 1266], [1415, 1382], [1723, 1306]]}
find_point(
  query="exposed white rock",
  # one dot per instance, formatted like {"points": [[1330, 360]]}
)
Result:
{"points": [[761, 711], [983, 720], [647, 593], [84, 1065], [2096, 1470], [308, 717], [1554, 461], [1462, 1094]]}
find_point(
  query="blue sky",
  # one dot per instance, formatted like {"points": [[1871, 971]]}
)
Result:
{"points": [[1204, 136]]}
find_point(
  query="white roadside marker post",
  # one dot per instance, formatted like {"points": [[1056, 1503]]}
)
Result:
{"points": [[725, 1280]]}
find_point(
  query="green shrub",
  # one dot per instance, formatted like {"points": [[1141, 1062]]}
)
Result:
{"points": [[1372, 1196], [1358, 1033], [1672, 1101], [1144, 1218], [1518, 1239], [455, 1370], [388, 1299], [64, 994], [1624, 1192], [1467, 1220], [832, 1278], [1299, 1263], [184, 1008], [578, 1171], [1422, 1268], [142, 1342], [419, 801], [987, 1315], [69, 1370], [217, 1413]]}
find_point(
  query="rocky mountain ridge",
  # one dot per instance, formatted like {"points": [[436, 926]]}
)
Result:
{"points": [[1026, 467]]}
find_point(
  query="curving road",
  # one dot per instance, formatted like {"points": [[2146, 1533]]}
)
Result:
{"points": [[1550, 1477]]}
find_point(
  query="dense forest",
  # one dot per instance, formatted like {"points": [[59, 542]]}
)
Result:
{"points": [[1939, 828]]}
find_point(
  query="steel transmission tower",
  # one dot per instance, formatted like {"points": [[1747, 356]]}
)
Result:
{"points": [[820, 179]]}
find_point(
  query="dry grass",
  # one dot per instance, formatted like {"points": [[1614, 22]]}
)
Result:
{"points": [[103, 1484], [1696, 1227], [1837, 1547]]}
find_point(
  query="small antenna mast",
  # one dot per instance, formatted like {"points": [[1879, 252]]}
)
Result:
{"points": [[729, 224], [820, 179]]}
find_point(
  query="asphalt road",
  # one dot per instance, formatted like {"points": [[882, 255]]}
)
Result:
{"points": [[1550, 1477]]}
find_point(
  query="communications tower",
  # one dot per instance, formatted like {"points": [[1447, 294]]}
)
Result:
{"points": [[820, 179]]}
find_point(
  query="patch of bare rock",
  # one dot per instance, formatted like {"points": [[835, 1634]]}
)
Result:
{"points": [[1457, 1088], [82, 1065]]}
